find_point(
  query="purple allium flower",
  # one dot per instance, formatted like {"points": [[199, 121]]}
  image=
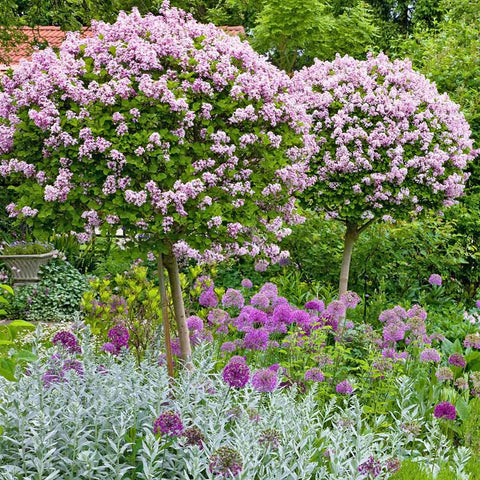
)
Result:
{"points": [[204, 282], [256, 339], [74, 365], [275, 367], [302, 318], [444, 374], [314, 375], [435, 279], [246, 283], [175, 345], [417, 311], [195, 323], [336, 309], [344, 388], [371, 468], [119, 336], [457, 360], [394, 331], [238, 359], [208, 298], [461, 383], [52, 376], [445, 410], [109, 347], [477, 303], [270, 290], [270, 438], [430, 355], [260, 300], [316, 305], [472, 341], [350, 299], [68, 341], [282, 314], [168, 424], [228, 347], [393, 465], [264, 380], [236, 374], [226, 462], [193, 436], [233, 298]]}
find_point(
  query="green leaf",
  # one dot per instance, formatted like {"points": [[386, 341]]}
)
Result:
{"points": [[462, 409]]}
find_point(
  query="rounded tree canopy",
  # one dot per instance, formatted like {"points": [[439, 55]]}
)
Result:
{"points": [[157, 125], [388, 144]]}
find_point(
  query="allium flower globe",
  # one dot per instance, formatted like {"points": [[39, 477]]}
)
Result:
{"points": [[265, 380], [344, 388], [435, 279], [168, 424], [236, 374], [445, 410], [226, 462], [457, 360]]}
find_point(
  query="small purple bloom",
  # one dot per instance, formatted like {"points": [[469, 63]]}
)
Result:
{"points": [[350, 299], [208, 298], [68, 341], [472, 341], [435, 279], [457, 360], [119, 336], [52, 376], [233, 298], [256, 339], [195, 323], [228, 347], [445, 410], [238, 359], [226, 462], [316, 305], [477, 303], [314, 375], [247, 283], [370, 468], [430, 355], [194, 436], [264, 380], [344, 388], [168, 424], [260, 300], [336, 309], [109, 347], [236, 374]]}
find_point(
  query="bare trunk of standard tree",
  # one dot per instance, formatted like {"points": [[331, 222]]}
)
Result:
{"points": [[183, 334], [165, 320], [350, 236]]}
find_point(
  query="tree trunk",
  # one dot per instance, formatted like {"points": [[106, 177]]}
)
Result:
{"points": [[183, 334], [165, 320], [350, 236]]}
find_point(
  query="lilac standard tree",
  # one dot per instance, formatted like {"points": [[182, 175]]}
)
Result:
{"points": [[180, 135], [389, 146]]}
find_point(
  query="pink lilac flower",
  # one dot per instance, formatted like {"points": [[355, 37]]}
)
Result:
{"points": [[195, 323], [68, 341], [445, 410], [394, 331], [457, 360], [168, 424], [236, 374], [270, 290], [265, 380], [233, 298], [435, 279], [226, 462], [344, 388], [314, 375], [430, 355], [208, 298]]}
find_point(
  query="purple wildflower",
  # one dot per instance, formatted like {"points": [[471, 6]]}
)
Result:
{"points": [[344, 388], [74, 365], [393, 465], [264, 380], [52, 376], [119, 336], [168, 424], [350, 299], [247, 283], [444, 374], [314, 375], [445, 410], [316, 305], [477, 303], [195, 323], [417, 311], [282, 314], [238, 359], [193, 436], [457, 360], [270, 290], [228, 347], [371, 467], [430, 355], [109, 347], [208, 298], [226, 462], [270, 438], [435, 279], [68, 341], [233, 298], [260, 300], [236, 374], [472, 341], [336, 309], [256, 339], [394, 331]]}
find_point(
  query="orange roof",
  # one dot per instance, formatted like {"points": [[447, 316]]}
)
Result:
{"points": [[54, 36]]}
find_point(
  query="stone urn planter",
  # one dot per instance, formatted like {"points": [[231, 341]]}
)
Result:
{"points": [[25, 267]]}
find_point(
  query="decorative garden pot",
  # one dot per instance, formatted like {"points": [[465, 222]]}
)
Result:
{"points": [[25, 267]]}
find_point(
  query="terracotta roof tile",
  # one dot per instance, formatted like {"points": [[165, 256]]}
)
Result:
{"points": [[54, 36]]}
